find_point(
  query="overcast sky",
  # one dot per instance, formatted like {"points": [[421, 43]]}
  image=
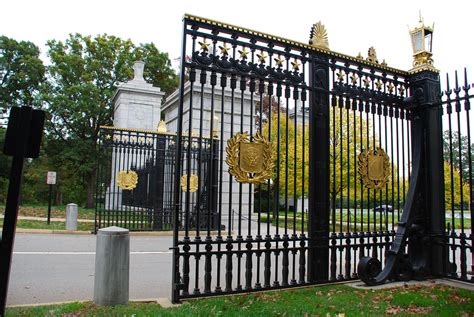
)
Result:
{"points": [[353, 26]]}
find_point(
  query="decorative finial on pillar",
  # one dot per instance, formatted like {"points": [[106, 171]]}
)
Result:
{"points": [[138, 68], [162, 127], [421, 40]]}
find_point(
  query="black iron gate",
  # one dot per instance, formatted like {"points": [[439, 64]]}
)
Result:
{"points": [[136, 179], [315, 119]]}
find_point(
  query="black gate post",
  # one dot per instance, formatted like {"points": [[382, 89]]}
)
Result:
{"points": [[318, 214], [425, 88]]}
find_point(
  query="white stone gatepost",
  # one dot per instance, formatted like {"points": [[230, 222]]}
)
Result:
{"points": [[137, 105]]}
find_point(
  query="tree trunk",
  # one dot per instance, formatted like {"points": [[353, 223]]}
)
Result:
{"points": [[91, 180]]}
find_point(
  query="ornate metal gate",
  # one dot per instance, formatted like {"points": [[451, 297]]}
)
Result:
{"points": [[312, 169], [136, 179]]}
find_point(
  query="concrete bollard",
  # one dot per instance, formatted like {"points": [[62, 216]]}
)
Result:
{"points": [[112, 266], [71, 217]]}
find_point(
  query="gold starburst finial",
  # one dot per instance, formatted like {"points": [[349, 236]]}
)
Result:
{"points": [[279, 61], [319, 36], [224, 49], [204, 45], [244, 53], [354, 78], [262, 57], [296, 65]]}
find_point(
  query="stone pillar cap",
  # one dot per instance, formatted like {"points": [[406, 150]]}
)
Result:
{"points": [[113, 230]]}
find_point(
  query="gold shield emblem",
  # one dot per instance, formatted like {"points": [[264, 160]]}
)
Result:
{"points": [[193, 183], [127, 180], [374, 168], [376, 172], [249, 161], [251, 157]]}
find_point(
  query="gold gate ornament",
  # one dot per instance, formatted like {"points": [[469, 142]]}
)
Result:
{"points": [[374, 168], [127, 180], [193, 183], [249, 161]]}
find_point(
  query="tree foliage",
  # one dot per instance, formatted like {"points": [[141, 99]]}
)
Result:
{"points": [[456, 152], [82, 79], [21, 72], [453, 188], [349, 135], [283, 154]]}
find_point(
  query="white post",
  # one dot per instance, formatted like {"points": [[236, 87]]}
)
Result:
{"points": [[112, 267], [71, 217]]}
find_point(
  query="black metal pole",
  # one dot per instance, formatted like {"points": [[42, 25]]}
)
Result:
{"points": [[318, 216], [49, 202], [11, 208]]}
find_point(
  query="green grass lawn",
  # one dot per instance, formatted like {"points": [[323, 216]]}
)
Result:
{"points": [[331, 300], [54, 225], [366, 218], [56, 211]]}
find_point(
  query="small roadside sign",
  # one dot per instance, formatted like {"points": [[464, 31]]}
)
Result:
{"points": [[51, 178]]}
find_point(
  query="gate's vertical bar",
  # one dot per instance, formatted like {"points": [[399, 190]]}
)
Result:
{"points": [[158, 181], [318, 215], [177, 176]]}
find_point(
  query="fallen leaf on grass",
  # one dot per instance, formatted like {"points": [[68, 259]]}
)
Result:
{"points": [[459, 300], [418, 309], [393, 310]]}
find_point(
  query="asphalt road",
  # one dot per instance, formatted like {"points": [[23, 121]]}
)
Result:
{"points": [[55, 267]]}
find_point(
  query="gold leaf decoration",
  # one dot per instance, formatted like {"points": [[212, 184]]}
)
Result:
{"points": [[319, 36], [372, 55], [374, 168], [249, 162], [193, 183], [127, 180]]}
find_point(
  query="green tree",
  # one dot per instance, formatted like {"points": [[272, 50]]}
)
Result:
{"points": [[453, 187], [280, 152], [455, 151], [82, 78], [5, 162], [21, 73]]}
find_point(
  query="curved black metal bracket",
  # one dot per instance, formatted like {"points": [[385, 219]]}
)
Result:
{"points": [[398, 265]]}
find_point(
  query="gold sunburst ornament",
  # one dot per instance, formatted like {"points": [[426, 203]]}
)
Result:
{"points": [[374, 168], [193, 183], [319, 36], [249, 161], [127, 180]]}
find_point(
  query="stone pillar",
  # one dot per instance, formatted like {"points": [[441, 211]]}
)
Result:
{"points": [[112, 266], [137, 104], [71, 217]]}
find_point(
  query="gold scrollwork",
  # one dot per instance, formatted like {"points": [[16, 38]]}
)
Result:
{"points": [[249, 162], [193, 183], [374, 168], [127, 180]]}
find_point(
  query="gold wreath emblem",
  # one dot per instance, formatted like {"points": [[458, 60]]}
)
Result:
{"points": [[374, 168], [193, 183], [249, 162], [127, 180]]}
